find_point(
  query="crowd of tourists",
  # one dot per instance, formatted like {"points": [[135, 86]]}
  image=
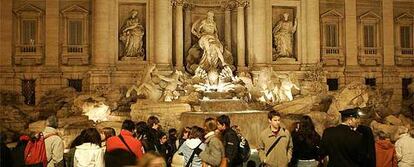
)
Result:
{"points": [[217, 143]]}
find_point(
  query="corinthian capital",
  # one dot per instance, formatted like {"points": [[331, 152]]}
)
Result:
{"points": [[178, 2], [232, 4]]}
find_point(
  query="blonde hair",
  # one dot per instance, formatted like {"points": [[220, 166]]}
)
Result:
{"points": [[150, 158]]}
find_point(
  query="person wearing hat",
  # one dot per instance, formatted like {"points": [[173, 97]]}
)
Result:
{"points": [[342, 144]]}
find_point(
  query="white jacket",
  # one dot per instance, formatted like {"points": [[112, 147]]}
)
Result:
{"points": [[89, 155], [405, 151]]}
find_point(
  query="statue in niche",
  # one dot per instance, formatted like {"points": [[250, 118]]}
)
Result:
{"points": [[131, 36], [208, 56], [283, 37]]}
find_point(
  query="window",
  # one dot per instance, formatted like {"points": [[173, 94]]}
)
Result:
{"points": [[29, 91], [406, 34], [369, 36], [405, 90], [28, 32], [331, 35], [75, 33], [76, 84], [370, 82], [332, 84]]}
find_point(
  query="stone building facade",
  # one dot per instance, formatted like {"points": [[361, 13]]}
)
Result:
{"points": [[49, 44]]}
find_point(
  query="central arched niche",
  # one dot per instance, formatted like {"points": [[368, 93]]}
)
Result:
{"points": [[196, 10]]}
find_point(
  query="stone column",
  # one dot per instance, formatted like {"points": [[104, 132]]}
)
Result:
{"points": [[162, 33], [52, 35], [6, 18], [351, 30], [259, 30], [388, 31], [227, 28], [187, 28], [179, 34], [241, 43], [313, 30], [100, 17]]}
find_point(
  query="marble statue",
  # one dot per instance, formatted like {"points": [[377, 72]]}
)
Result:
{"points": [[146, 86], [131, 36], [206, 31], [283, 37], [172, 83], [284, 92]]}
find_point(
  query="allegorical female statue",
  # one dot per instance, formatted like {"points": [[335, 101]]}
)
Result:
{"points": [[283, 37], [131, 36]]}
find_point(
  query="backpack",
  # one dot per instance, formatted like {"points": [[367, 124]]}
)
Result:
{"points": [[244, 149], [35, 151], [120, 157]]}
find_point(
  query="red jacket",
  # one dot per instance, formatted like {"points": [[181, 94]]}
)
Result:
{"points": [[115, 142], [385, 152]]}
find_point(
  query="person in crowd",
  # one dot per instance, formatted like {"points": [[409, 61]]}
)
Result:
{"points": [[230, 140], [153, 124], [89, 152], [368, 144], [194, 141], [18, 152], [214, 150], [275, 142], [53, 143], [342, 143], [126, 133], [69, 155], [141, 132], [161, 147], [405, 149], [172, 139], [107, 132], [5, 154], [385, 151], [306, 140], [152, 159], [183, 135]]}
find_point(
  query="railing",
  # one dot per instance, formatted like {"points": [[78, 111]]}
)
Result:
{"points": [[331, 50], [75, 49], [29, 49], [370, 50], [407, 51]]}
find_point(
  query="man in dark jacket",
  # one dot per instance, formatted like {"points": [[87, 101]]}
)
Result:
{"points": [[342, 144], [153, 135], [230, 141]]}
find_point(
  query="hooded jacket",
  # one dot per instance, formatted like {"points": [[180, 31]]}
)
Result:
{"points": [[385, 152], [187, 149], [405, 151], [89, 155]]}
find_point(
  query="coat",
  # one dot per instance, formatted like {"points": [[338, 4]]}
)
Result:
{"points": [[88, 155], [214, 150], [405, 151], [281, 153], [187, 149], [54, 147], [343, 146], [385, 152], [115, 142]]}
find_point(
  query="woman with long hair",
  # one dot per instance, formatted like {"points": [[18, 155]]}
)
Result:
{"points": [[305, 144], [89, 152], [214, 151], [195, 140]]}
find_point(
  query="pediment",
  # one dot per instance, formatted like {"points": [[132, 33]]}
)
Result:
{"points": [[28, 8], [370, 16], [332, 14], [405, 16], [75, 9]]}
